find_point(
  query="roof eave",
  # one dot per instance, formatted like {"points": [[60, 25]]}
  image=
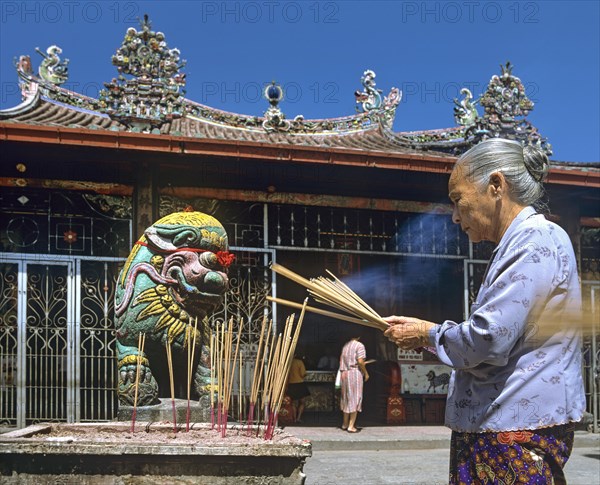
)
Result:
{"points": [[20, 132]]}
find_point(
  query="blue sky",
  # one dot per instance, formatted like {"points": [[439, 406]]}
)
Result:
{"points": [[319, 50]]}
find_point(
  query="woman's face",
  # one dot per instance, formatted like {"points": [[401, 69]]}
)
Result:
{"points": [[474, 209]]}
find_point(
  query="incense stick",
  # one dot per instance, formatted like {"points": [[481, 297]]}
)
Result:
{"points": [[320, 311], [262, 373], [220, 343], [240, 387], [141, 342], [212, 380], [285, 360], [172, 382], [189, 375], [290, 357], [336, 294], [190, 362], [254, 387], [231, 371]]}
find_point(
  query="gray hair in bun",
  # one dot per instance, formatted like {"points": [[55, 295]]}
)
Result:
{"points": [[524, 168]]}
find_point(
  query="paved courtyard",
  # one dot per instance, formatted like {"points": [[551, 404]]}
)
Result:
{"points": [[410, 455]]}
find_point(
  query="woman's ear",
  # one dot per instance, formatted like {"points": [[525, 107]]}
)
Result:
{"points": [[497, 184]]}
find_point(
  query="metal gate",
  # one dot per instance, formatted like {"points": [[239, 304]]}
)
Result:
{"points": [[591, 350], [57, 335], [56, 339]]}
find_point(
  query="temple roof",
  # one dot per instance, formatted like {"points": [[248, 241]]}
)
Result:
{"points": [[148, 96], [45, 111]]}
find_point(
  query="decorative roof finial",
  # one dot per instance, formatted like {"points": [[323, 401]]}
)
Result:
{"points": [[370, 97], [506, 107], [371, 101], [52, 69], [465, 113], [274, 117], [153, 95]]}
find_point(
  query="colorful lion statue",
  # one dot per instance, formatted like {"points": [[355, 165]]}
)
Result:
{"points": [[176, 273]]}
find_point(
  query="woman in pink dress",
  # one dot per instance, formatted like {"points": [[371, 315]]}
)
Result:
{"points": [[353, 372]]}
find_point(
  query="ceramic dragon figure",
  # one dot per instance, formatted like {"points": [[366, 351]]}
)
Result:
{"points": [[465, 112], [175, 273], [52, 68], [370, 97]]}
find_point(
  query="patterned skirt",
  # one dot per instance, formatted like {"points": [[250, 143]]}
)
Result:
{"points": [[511, 457]]}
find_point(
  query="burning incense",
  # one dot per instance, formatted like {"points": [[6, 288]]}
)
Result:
{"points": [[319, 311], [190, 361], [263, 373], [221, 344], [335, 293], [268, 389], [285, 362], [212, 380], [254, 387], [172, 382], [230, 366], [141, 342], [240, 387]]}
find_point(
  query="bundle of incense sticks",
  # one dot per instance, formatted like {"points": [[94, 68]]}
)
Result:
{"points": [[226, 359], [271, 368], [336, 294], [279, 368], [258, 373]]}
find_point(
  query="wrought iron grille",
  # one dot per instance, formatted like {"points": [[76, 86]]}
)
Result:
{"points": [[365, 231], [57, 339], [47, 342], [250, 281], [71, 223], [97, 362], [8, 343]]}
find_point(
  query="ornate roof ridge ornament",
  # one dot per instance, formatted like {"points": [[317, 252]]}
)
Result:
{"points": [[465, 113], [152, 95], [52, 69], [274, 117], [371, 101], [506, 106], [33, 86]]}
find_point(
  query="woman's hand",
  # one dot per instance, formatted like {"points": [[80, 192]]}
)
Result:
{"points": [[408, 333]]}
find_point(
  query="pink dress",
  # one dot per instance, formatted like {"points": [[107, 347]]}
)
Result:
{"points": [[352, 378]]}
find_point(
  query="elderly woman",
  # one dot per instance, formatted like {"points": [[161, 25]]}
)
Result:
{"points": [[516, 387]]}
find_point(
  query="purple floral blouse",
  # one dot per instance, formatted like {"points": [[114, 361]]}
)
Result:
{"points": [[517, 358]]}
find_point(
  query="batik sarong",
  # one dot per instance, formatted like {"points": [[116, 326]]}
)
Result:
{"points": [[511, 457]]}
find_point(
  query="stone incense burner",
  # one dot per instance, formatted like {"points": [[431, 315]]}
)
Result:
{"points": [[108, 453]]}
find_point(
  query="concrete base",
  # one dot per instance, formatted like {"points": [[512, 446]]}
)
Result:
{"points": [[164, 412], [70, 454]]}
